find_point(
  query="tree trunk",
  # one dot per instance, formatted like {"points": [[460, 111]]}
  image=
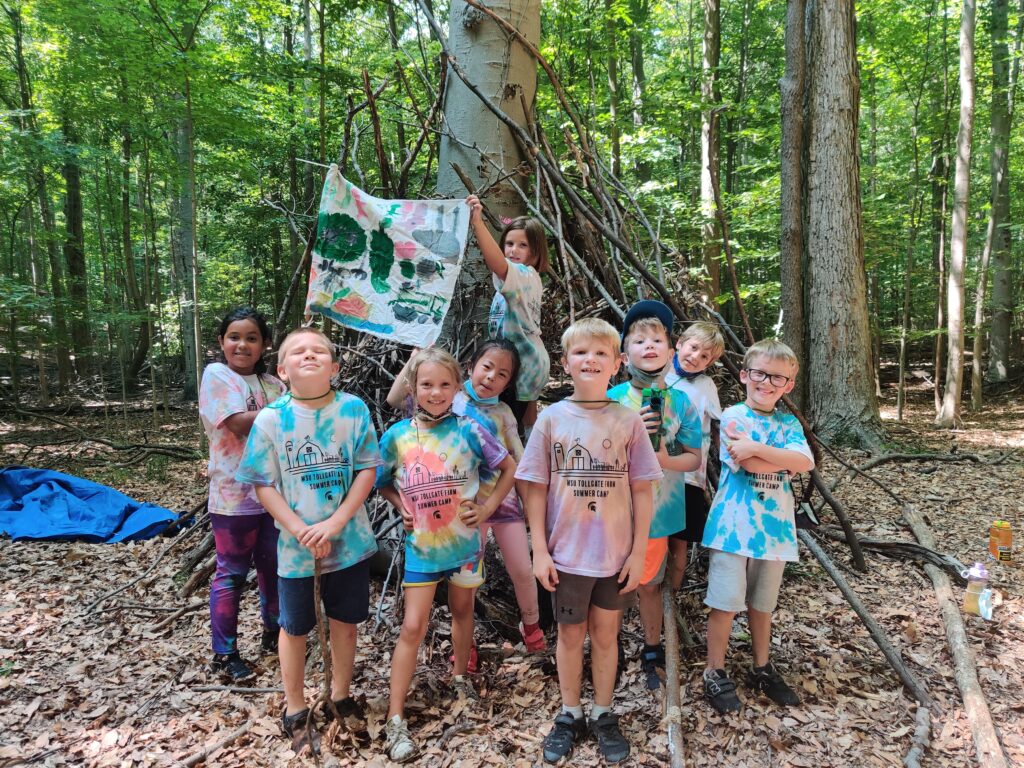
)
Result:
{"points": [[135, 298], [184, 252], [611, 30], [74, 249], [709, 143], [508, 75], [950, 411], [640, 11], [841, 384], [734, 122], [791, 87], [999, 214]]}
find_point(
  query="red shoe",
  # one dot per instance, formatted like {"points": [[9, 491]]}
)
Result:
{"points": [[472, 667], [534, 639]]}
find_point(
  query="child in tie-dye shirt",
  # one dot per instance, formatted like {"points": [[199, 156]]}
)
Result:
{"points": [[232, 392], [312, 456], [646, 352], [517, 259], [431, 474], [751, 530]]}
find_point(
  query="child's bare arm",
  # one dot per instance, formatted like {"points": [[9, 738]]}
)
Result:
{"points": [[322, 532], [400, 387], [642, 492], [393, 497], [489, 248], [687, 461], [240, 423], [758, 457], [476, 512], [535, 500]]}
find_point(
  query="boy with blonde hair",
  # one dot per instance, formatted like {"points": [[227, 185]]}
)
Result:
{"points": [[587, 469], [697, 349], [751, 530], [674, 428]]}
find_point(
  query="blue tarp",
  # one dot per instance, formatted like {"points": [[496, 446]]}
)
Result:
{"points": [[41, 504]]}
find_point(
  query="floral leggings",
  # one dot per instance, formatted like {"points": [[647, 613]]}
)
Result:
{"points": [[241, 542]]}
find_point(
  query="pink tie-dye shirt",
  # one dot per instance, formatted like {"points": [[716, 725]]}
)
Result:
{"points": [[224, 393], [587, 458]]}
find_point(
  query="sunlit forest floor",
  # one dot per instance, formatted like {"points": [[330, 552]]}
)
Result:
{"points": [[107, 687]]}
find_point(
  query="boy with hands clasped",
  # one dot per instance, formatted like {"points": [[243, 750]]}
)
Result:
{"points": [[751, 530], [312, 456], [588, 467]]}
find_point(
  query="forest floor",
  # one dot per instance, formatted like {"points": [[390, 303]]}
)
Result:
{"points": [[105, 686]]}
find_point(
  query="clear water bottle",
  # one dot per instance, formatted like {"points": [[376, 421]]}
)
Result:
{"points": [[977, 585]]}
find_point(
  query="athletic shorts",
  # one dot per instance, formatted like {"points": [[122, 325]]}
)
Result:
{"points": [[655, 560], [696, 516], [736, 583], [469, 576], [345, 595], [574, 595]]}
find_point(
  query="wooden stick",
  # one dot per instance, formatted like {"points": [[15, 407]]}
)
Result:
{"points": [[986, 738], [673, 713], [177, 615], [919, 741], [197, 578], [231, 738], [877, 633]]}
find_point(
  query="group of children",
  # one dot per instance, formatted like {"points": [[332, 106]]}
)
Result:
{"points": [[611, 482]]}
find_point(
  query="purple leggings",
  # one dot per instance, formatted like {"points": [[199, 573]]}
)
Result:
{"points": [[241, 541]]}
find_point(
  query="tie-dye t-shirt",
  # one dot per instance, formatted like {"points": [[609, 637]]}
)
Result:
{"points": [[703, 395], [515, 315], [752, 514], [311, 455], [682, 427], [224, 393], [497, 419], [587, 458], [434, 469]]}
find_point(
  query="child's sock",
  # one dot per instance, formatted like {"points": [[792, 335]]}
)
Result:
{"points": [[576, 712], [530, 628], [597, 710]]}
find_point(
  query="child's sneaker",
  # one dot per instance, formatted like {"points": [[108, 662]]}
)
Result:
{"points": [[533, 637], [472, 666], [295, 727], [563, 736], [464, 689], [268, 640], [652, 658], [720, 691], [610, 742], [347, 707], [233, 667], [398, 742], [768, 681]]}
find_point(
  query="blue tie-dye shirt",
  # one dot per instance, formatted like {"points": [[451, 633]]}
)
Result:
{"points": [[435, 469], [311, 456], [752, 514], [681, 425]]}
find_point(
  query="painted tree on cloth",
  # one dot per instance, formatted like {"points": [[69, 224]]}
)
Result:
{"points": [[475, 139], [841, 381]]}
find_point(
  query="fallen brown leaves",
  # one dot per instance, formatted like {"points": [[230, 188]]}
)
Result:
{"points": [[112, 687]]}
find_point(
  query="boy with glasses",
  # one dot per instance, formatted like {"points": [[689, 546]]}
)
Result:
{"points": [[751, 530]]}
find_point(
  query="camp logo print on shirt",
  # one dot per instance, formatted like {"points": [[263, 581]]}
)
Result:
{"points": [[585, 475], [315, 467], [434, 492]]}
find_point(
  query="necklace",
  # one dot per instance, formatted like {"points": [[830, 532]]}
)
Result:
{"points": [[318, 397], [574, 400]]}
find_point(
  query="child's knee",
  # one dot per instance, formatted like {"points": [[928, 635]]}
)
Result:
{"points": [[650, 591], [343, 629], [572, 635], [604, 635], [414, 629]]}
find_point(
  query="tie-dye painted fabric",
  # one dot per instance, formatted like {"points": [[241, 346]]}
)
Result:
{"points": [[224, 393], [682, 427], [434, 468], [499, 421], [515, 315], [587, 458], [387, 267], [703, 395], [752, 514], [311, 456]]}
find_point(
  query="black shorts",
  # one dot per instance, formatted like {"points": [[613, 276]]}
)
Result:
{"points": [[574, 595], [696, 516], [345, 595]]}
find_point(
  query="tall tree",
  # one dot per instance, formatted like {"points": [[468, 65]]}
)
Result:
{"points": [[74, 246], [950, 410], [841, 390], [998, 239], [709, 142]]}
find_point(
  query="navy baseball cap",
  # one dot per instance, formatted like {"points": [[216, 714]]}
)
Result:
{"points": [[648, 308]]}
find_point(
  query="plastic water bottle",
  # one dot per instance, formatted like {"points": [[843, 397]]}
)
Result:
{"points": [[977, 584]]}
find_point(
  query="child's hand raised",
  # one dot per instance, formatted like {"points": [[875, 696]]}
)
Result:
{"points": [[740, 447], [476, 209]]}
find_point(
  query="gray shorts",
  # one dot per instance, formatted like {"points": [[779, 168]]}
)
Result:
{"points": [[736, 583], [574, 595]]}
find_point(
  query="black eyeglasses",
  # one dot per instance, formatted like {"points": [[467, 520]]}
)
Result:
{"points": [[777, 379]]}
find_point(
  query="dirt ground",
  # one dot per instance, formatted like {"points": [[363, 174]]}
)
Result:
{"points": [[110, 686]]}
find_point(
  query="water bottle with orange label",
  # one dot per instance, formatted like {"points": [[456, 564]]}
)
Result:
{"points": [[1000, 541]]}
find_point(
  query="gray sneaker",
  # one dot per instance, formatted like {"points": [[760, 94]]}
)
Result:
{"points": [[463, 688], [398, 742]]}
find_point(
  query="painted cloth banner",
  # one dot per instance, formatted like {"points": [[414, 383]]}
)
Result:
{"points": [[387, 267]]}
